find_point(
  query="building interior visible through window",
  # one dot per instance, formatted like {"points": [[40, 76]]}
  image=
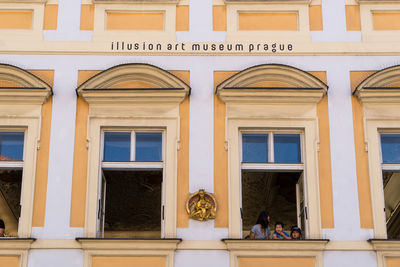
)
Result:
{"points": [[390, 147], [11, 167], [272, 179], [130, 203]]}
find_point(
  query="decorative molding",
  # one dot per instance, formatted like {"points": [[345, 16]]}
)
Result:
{"points": [[303, 87], [100, 88], [128, 244], [15, 243], [377, 87], [385, 244], [275, 248], [29, 89], [275, 245]]}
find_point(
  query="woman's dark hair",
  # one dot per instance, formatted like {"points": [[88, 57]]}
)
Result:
{"points": [[263, 219]]}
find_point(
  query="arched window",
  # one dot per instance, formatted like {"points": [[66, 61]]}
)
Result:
{"points": [[379, 95], [133, 135], [272, 136], [22, 96]]}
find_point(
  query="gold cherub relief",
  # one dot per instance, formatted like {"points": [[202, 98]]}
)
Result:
{"points": [[201, 206]]}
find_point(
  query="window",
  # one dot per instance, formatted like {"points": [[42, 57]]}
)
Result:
{"points": [[271, 141], [131, 184], [133, 147], [272, 178], [11, 166], [21, 124], [379, 95], [390, 149]]}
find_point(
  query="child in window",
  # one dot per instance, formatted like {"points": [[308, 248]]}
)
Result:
{"points": [[261, 229], [279, 233], [295, 232]]}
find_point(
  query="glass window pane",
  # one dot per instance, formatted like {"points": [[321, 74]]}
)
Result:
{"points": [[287, 148], [148, 147], [255, 147], [390, 148], [117, 146], [11, 145]]}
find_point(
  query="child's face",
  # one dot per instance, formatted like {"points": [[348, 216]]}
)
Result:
{"points": [[295, 235], [278, 228]]}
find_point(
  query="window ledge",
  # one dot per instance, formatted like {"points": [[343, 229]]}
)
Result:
{"points": [[385, 244], [277, 245], [129, 243], [15, 243]]}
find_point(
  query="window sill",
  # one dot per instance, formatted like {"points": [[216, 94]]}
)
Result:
{"points": [[15, 243], [129, 243], [276, 245], [385, 244]]}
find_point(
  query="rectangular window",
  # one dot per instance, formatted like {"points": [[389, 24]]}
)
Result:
{"points": [[272, 179], [131, 193], [11, 167], [390, 148]]}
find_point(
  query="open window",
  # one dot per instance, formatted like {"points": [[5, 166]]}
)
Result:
{"points": [[379, 95], [11, 168], [390, 149], [133, 134], [272, 178], [271, 133], [131, 193], [22, 96]]}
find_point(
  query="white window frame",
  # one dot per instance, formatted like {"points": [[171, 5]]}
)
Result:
{"points": [[16, 164], [395, 167], [272, 166], [134, 165]]}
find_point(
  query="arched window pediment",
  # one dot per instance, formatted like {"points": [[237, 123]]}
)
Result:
{"points": [[134, 83], [20, 86], [382, 86], [272, 83]]}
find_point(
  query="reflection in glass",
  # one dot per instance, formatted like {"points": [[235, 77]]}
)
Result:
{"points": [[255, 147], [148, 147], [287, 148], [11, 145], [117, 146], [390, 148]]}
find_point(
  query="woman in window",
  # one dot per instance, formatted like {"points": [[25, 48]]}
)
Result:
{"points": [[261, 229]]}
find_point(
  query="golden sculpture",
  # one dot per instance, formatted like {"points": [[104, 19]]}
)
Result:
{"points": [[201, 206]]}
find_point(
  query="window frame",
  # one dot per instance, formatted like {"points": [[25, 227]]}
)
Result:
{"points": [[17, 164], [275, 167], [132, 163], [135, 165]]}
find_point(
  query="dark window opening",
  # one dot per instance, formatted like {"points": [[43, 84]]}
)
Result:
{"points": [[279, 193], [132, 203], [391, 187], [10, 195]]}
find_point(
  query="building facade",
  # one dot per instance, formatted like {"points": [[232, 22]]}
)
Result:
{"points": [[115, 114]]}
